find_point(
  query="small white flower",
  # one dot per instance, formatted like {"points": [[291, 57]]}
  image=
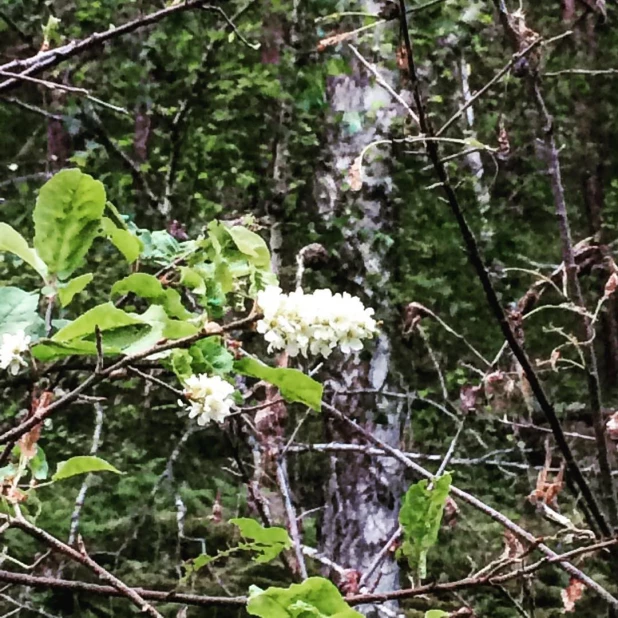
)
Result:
{"points": [[11, 349], [210, 398], [314, 323]]}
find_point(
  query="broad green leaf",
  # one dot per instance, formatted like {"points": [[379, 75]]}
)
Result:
{"points": [[127, 243], [82, 464], [161, 327], [267, 542], [48, 350], [436, 613], [68, 290], [316, 596], [13, 242], [17, 310], [210, 356], [67, 217], [420, 516], [149, 287], [105, 316], [293, 384], [252, 245]]}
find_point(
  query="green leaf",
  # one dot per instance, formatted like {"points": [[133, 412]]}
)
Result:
{"points": [[127, 243], [293, 384], [82, 464], [436, 613], [17, 310], [316, 596], [149, 287], [105, 316], [48, 350], [209, 356], [13, 242], [38, 465], [420, 517], [68, 290], [190, 278], [67, 217], [267, 542], [180, 362], [252, 245]]}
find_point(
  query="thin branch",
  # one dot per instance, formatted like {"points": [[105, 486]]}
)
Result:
{"points": [[284, 487], [81, 496], [72, 89], [45, 60], [503, 520], [53, 583], [84, 559], [488, 288]]}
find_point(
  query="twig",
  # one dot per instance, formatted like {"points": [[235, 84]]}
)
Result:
{"points": [[374, 71], [45, 60], [81, 496], [84, 559], [479, 505], [53, 583], [488, 288], [74, 90], [291, 516]]}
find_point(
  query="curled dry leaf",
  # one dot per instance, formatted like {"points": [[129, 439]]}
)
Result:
{"points": [[572, 593], [28, 442], [468, 396], [612, 427], [350, 581], [355, 175], [513, 547], [611, 285], [413, 314], [451, 512]]}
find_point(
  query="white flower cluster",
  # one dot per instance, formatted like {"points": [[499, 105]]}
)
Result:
{"points": [[11, 349], [210, 397], [314, 323]]}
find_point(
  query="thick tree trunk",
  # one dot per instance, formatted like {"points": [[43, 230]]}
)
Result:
{"points": [[362, 499]]}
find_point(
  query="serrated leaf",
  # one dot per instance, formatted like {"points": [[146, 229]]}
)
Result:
{"points": [[17, 310], [82, 464], [149, 287], [67, 217], [294, 385], [316, 595], [13, 242], [420, 516], [126, 242], [68, 290]]}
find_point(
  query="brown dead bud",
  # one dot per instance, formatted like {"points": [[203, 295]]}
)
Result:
{"points": [[611, 285], [355, 174], [414, 313], [349, 584], [451, 512], [572, 593], [468, 397], [612, 427]]}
